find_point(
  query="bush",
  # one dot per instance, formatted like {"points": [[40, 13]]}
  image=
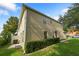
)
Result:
{"points": [[56, 40], [36, 45], [2, 41]]}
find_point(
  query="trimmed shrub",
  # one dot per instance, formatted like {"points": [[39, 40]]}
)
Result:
{"points": [[36, 45], [56, 40]]}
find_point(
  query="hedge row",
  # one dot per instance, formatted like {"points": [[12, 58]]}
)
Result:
{"points": [[36, 45]]}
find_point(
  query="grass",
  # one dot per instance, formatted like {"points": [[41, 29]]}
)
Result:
{"points": [[4, 51], [68, 48]]}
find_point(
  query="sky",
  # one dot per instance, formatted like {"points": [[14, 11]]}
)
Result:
{"points": [[53, 10]]}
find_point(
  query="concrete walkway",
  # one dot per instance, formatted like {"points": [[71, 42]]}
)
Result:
{"points": [[14, 46], [63, 40]]}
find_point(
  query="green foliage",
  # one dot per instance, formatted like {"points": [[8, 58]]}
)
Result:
{"points": [[36, 45], [1, 41], [9, 28], [11, 25], [71, 17]]}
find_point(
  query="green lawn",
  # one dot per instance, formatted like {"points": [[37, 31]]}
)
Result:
{"points": [[68, 48], [4, 51]]}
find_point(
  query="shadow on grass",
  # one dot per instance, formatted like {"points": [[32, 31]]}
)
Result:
{"points": [[70, 48]]}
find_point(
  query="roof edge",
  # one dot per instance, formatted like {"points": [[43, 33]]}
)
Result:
{"points": [[27, 7], [24, 7]]}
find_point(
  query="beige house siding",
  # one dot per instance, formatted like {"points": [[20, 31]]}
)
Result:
{"points": [[37, 26], [22, 29]]}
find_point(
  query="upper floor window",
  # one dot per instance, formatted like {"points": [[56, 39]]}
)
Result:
{"points": [[50, 21], [15, 33]]}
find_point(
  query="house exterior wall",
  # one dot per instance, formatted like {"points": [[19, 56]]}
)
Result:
{"points": [[22, 29], [39, 23]]}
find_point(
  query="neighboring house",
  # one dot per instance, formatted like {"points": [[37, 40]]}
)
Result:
{"points": [[34, 25], [73, 34]]}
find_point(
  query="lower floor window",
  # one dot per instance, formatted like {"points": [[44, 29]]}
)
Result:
{"points": [[45, 34], [15, 42]]}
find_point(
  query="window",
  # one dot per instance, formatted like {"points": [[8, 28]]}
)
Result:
{"points": [[15, 41], [55, 33], [45, 34], [50, 21], [15, 33]]}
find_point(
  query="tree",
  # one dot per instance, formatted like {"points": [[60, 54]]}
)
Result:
{"points": [[71, 18], [60, 19], [10, 28]]}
